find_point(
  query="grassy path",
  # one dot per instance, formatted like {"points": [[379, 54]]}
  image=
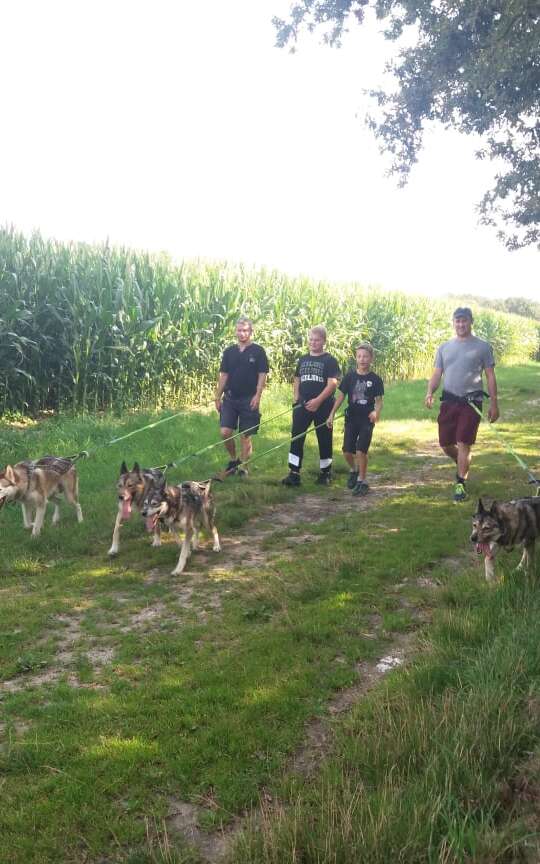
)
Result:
{"points": [[141, 712]]}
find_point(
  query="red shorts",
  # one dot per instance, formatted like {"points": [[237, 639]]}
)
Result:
{"points": [[457, 422]]}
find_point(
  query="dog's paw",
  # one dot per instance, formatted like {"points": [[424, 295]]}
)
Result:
{"points": [[156, 542], [112, 552], [216, 547]]}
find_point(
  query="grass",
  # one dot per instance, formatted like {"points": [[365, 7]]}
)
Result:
{"points": [[200, 688]]}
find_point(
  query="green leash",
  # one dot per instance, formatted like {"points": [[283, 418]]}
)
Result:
{"points": [[194, 453], [86, 454], [508, 447], [278, 446]]}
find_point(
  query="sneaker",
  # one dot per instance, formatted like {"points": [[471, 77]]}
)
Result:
{"points": [[460, 493], [232, 466], [361, 488], [324, 478], [352, 480], [292, 479]]}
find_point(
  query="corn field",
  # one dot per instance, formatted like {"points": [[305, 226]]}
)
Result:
{"points": [[90, 328]]}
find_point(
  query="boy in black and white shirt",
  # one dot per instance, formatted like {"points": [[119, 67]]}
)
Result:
{"points": [[365, 391], [315, 382]]}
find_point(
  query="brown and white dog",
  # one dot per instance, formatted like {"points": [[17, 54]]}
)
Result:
{"points": [[35, 482], [133, 487], [186, 507], [505, 525]]}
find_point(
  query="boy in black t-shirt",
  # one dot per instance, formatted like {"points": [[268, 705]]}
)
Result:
{"points": [[365, 392], [242, 376], [315, 382]]}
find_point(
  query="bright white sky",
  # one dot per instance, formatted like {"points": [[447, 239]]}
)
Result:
{"points": [[176, 125]]}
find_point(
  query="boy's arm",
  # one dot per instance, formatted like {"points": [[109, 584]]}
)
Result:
{"points": [[329, 390], [374, 415], [336, 406]]}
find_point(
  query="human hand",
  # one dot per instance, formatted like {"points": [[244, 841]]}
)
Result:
{"points": [[493, 412], [372, 417], [428, 401], [312, 405], [330, 421]]}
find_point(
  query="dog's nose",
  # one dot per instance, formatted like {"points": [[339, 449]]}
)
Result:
{"points": [[474, 537]]}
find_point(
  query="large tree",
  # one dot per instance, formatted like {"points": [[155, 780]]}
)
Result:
{"points": [[474, 66]]}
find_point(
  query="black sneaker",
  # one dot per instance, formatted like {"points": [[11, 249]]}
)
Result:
{"points": [[292, 479], [232, 466], [324, 478], [353, 479], [361, 488]]}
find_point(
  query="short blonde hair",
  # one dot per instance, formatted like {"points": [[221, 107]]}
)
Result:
{"points": [[319, 330], [365, 346]]}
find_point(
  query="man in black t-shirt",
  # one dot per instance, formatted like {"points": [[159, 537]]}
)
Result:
{"points": [[365, 391], [315, 382], [242, 376]]}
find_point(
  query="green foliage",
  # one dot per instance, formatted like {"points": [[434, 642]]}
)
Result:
{"points": [[475, 66], [90, 328]]}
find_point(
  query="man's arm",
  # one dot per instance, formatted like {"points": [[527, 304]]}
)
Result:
{"points": [[433, 383], [222, 383], [491, 381], [329, 390], [261, 381]]}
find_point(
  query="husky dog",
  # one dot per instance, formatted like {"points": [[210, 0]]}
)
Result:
{"points": [[514, 523], [188, 507], [34, 483], [133, 487]]}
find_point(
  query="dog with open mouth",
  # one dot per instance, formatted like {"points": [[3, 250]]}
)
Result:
{"points": [[503, 526], [33, 483], [187, 507], [133, 488]]}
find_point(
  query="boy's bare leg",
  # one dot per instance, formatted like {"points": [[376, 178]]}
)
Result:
{"points": [[361, 461]]}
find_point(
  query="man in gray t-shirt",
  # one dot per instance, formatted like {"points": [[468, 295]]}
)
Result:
{"points": [[462, 361]]}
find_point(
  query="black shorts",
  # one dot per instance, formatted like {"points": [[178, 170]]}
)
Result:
{"points": [[357, 435], [236, 414]]}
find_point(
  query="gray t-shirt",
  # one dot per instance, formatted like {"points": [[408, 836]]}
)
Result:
{"points": [[462, 362]]}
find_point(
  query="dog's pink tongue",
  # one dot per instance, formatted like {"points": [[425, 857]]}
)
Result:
{"points": [[150, 523], [126, 508], [484, 549]]}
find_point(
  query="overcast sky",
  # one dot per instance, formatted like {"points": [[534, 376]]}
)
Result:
{"points": [[178, 126]]}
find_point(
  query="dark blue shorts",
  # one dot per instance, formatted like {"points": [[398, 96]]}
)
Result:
{"points": [[357, 436], [236, 414]]}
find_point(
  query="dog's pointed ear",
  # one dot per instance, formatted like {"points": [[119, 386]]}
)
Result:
{"points": [[10, 474], [136, 469], [481, 508], [123, 468], [494, 510]]}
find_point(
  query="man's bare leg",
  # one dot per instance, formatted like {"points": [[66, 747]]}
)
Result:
{"points": [[463, 459], [229, 441], [246, 447]]}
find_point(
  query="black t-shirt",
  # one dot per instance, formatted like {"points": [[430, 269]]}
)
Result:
{"points": [[243, 368], [361, 391], [314, 373]]}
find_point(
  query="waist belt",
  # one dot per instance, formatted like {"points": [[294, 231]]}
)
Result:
{"points": [[475, 396]]}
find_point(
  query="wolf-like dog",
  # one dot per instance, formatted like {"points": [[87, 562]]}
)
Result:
{"points": [[188, 507], [505, 525], [133, 487], [34, 483]]}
